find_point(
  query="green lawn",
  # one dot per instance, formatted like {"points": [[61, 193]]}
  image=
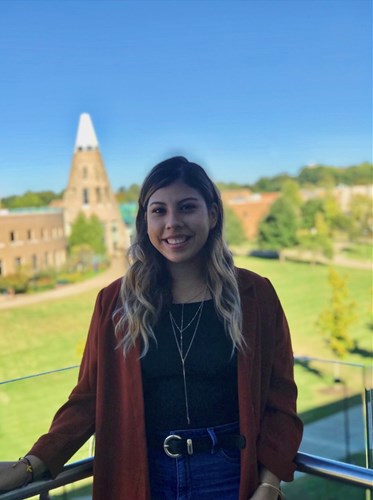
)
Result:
{"points": [[44, 336], [35, 339], [361, 251], [303, 290]]}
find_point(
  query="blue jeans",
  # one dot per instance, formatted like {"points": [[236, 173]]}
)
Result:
{"points": [[205, 476]]}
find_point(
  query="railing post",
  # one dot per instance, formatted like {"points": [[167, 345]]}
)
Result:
{"points": [[369, 433]]}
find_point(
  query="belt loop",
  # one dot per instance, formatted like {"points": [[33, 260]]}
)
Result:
{"points": [[190, 447], [214, 439]]}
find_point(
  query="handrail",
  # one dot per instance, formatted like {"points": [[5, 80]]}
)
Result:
{"points": [[71, 473], [41, 374], [332, 469], [310, 464]]}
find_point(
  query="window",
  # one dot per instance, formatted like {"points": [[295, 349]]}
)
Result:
{"points": [[98, 194], [85, 172], [85, 196], [34, 262], [12, 236], [114, 234], [43, 233], [1, 268], [29, 234], [18, 262]]}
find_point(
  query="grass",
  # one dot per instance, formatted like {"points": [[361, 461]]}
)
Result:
{"points": [[36, 339], [45, 336], [309, 487], [304, 293], [321, 412], [361, 251]]}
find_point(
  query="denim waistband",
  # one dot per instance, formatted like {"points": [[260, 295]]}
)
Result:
{"points": [[229, 428]]}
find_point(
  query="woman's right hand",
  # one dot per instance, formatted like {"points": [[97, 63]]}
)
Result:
{"points": [[12, 477], [14, 474]]}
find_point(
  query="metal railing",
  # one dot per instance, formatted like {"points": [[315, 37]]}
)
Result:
{"points": [[306, 463], [309, 464]]}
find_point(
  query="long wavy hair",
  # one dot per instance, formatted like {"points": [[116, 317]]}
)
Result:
{"points": [[146, 287]]}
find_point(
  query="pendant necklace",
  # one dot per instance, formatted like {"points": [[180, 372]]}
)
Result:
{"points": [[180, 347]]}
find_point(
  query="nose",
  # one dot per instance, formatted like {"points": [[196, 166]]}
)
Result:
{"points": [[173, 220]]}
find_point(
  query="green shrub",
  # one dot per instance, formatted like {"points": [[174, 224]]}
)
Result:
{"points": [[14, 283], [44, 279]]}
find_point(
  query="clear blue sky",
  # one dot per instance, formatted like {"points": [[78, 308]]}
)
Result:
{"points": [[246, 88]]}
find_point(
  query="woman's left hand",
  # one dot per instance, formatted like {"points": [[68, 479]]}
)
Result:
{"points": [[264, 493]]}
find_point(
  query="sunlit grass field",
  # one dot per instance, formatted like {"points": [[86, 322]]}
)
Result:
{"points": [[51, 335]]}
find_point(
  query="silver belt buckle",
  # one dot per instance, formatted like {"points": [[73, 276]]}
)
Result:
{"points": [[166, 446]]}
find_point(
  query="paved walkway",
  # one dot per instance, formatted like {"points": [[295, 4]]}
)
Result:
{"points": [[336, 436], [116, 270], [337, 260]]}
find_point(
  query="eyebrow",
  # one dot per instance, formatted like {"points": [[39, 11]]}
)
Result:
{"points": [[189, 198]]}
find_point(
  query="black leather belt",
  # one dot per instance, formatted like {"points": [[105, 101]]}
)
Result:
{"points": [[176, 446]]}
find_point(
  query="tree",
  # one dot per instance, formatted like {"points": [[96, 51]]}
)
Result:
{"points": [[328, 176], [271, 184], [335, 320], [31, 199], [309, 210], [224, 186], [128, 195], [361, 216], [317, 238], [291, 193], [233, 229], [328, 213], [318, 175], [89, 232], [279, 229]]}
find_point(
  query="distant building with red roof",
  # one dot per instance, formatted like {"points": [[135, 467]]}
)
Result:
{"points": [[250, 208]]}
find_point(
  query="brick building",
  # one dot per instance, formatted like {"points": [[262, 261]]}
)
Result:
{"points": [[32, 239], [250, 208]]}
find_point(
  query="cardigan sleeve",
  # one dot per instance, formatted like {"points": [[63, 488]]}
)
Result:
{"points": [[74, 422], [281, 429]]}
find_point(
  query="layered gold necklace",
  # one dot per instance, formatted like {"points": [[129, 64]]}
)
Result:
{"points": [[183, 349]]}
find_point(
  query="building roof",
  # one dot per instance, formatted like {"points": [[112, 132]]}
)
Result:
{"points": [[30, 211], [86, 136]]}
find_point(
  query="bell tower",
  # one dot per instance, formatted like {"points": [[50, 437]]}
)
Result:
{"points": [[89, 190]]}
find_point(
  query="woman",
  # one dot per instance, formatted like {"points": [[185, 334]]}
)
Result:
{"points": [[187, 375]]}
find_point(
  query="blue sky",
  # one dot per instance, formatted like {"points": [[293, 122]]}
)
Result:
{"points": [[246, 88]]}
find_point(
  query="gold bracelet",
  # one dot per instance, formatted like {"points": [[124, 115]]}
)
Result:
{"points": [[280, 494], [29, 469]]}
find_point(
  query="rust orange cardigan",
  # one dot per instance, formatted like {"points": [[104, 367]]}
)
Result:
{"points": [[108, 400]]}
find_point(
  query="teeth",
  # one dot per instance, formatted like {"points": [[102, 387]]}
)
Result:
{"points": [[176, 241]]}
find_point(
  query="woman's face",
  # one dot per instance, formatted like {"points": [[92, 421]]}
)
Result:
{"points": [[179, 222]]}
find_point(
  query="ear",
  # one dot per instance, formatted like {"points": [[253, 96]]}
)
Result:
{"points": [[213, 215]]}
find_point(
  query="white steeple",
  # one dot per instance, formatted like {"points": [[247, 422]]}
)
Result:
{"points": [[86, 137]]}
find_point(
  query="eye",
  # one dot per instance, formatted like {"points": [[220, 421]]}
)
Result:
{"points": [[188, 207], [158, 210]]}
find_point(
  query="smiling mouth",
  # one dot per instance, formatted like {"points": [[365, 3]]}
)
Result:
{"points": [[177, 241]]}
